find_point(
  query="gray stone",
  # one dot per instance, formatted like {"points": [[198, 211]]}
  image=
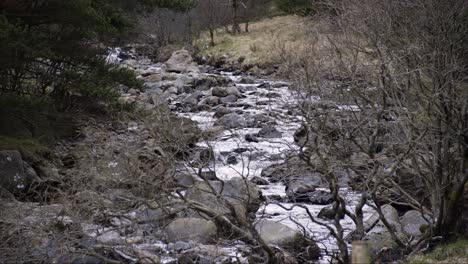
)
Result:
{"points": [[181, 61], [374, 224], [185, 229], [276, 233], [110, 238], [411, 222], [15, 174], [209, 176], [260, 120], [205, 82], [210, 100], [298, 191], [243, 195], [328, 213], [184, 180], [259, 181], [224, 91], [280, 84], [180, 246], [231, 160], [221, 111], [192, 99], [273, 95], [251, 138], [153, 78], [269, 132], [247, 80], [232, 120], [228, 99]]}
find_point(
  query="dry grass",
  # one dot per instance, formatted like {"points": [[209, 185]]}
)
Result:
{"points": [[256, 46], [283, 38]]}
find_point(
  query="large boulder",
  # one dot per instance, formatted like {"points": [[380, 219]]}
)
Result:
{"points": [[383, 247], [225, 91], [269, 132], [205, 82], [275, 233], [260, 120], [186, 229], [292, 241], [181, 61], [228, 99], [236, 196], [375, 225], [293, 172], [15, 174], [222, 111], [411, 222], [192, 99], [302, 194], [232, 120]]}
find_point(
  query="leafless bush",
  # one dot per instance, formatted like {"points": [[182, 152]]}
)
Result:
{"points": [[396, 124]]}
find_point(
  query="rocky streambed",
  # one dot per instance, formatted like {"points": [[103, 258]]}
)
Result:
{"points": [[254, 121], [244, 169]]}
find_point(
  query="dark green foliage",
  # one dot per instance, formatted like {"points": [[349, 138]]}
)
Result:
{"points": [[301, 7], [178, 5], [59, 46], [308, 7]]}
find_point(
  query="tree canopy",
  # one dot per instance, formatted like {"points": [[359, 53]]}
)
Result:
{"points": [[54, 47]]}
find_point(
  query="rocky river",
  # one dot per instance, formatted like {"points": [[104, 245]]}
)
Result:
{"points": [[244, 172]]}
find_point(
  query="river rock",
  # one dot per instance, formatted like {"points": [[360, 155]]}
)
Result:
{"points": [[276, 233], [279, 84], [251, 138], [209, 175], [374, 224], [232, 120], [302, 195], [260, 120], [205, 82], [221, 111], [293, 171], [210, 100], [184, 180], [186, 229], [247, 80], [243, 195], [269, 132], [153, 78], [181, 61], [327, 213], [193, 99], [15, 174], [224, 91], [298, 191], [273, 95], [259, 181], [411, 222], [228, 99]]}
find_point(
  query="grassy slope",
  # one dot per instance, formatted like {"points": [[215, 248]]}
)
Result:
{"points": [[456, 252], [256, 46]]}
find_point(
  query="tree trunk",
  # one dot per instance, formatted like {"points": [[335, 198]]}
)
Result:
{"points": [[211, 37], [247, 26], [235, 17]]}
